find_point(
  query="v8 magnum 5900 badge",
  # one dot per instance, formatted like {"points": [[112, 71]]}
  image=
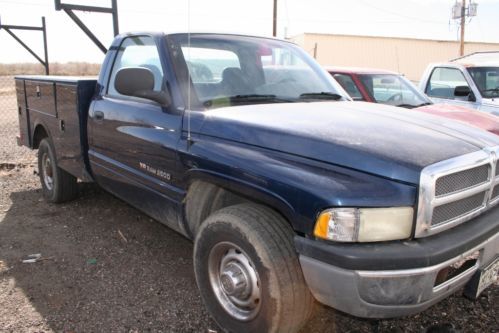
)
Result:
{"points": [[157, 172]]}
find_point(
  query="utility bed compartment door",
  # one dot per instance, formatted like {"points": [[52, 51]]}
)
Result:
{"points": [[41, 97], [67, 141], [24, 130]]}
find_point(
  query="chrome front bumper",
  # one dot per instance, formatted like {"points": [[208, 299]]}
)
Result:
{"points": [[391, 293]]}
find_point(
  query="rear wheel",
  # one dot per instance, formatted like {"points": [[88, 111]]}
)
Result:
{"points": [[57, 184], [248, 272]]}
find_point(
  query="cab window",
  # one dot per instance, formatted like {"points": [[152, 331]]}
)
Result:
{"points": [[137, 52], [443, 82]]}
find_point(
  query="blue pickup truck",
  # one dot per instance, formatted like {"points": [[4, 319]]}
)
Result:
{"points": [[290, 191]]}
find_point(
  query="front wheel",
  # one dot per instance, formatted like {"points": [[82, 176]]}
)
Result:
{"points": [[248, 272], [57, 184]]}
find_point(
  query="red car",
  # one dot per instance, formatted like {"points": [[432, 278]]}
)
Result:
{"points": [[381, 86]]}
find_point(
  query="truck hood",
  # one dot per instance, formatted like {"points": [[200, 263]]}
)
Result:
{"points": [[473, 117], [490, 105], [492, 102], [372, 138]]}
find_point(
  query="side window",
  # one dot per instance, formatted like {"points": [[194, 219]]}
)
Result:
{"points": [[137, 52], [443, 81], [349, 85]]}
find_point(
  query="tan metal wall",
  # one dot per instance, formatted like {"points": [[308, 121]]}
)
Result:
{"points": [[404, 55]]}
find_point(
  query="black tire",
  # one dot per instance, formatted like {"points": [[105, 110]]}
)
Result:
{"points": [[266, 239], [57, 184]]}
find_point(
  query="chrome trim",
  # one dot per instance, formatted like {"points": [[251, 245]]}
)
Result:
{"points": [[433, 270], [445, 199], [428, 200], [466, 274]]}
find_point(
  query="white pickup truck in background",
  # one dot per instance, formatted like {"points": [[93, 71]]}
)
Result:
{"points": [[471, 81]]}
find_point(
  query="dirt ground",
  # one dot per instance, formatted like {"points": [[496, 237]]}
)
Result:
{"points": [[108, 268]]}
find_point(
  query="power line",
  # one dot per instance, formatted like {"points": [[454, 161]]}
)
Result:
{"points": [[400, 15], [25, 3]]}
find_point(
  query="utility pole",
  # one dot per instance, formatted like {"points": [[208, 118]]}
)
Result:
{"points": [[463, 25], [274, 25], [461, 11]]}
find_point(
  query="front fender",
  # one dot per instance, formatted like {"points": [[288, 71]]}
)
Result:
{"points": [[245, 189], [299, 188]]}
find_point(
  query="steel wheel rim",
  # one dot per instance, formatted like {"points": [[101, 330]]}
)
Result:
{"points": [[47, 171], [234, 281]]}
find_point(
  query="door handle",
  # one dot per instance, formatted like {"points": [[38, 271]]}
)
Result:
{"points": [[99, 115]]}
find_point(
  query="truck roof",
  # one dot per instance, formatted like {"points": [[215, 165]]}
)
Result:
{"points": [[197, 32], [478, 59], [358, 70]]}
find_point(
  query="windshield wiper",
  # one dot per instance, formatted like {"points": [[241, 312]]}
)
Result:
{"points": [[424, 104], [257, 97], [493, 89], [408, 106], [412, 106], [321, 95], [245, 99]]}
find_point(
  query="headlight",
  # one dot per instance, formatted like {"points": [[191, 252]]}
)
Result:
{"points": [[364, 224]]}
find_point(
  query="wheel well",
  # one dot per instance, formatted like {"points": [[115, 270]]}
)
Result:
{"points": [[205, 198], [39, 134]]}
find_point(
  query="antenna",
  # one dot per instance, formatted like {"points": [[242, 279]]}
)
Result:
{"points": [[189, 139], [397, 55]]}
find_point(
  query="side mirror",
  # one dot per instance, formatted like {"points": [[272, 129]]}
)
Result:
{"points": [[139, 82], [462, 91]]}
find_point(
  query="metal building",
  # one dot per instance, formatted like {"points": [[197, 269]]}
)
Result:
{"points": [[405, 55]]}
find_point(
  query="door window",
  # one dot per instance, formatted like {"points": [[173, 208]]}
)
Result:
{"points": [[443, 81], [349, 85], [137, 52]]}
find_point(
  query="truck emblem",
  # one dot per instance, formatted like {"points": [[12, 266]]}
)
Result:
{"points": [[160, 173]]}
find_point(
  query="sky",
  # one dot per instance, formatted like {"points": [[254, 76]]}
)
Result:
{"points": [[425, 19]]}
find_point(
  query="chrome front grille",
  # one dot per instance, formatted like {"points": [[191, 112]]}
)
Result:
{"points": [[462, 180], [495, 193], [456, 190], [458, 208]]}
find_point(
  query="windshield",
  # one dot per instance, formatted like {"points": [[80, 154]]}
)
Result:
{"points": [[230, 70], [486, 79], [393, 89]]}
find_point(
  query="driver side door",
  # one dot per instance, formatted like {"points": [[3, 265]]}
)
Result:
{"points": [[134, 140], [441, 87]]}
